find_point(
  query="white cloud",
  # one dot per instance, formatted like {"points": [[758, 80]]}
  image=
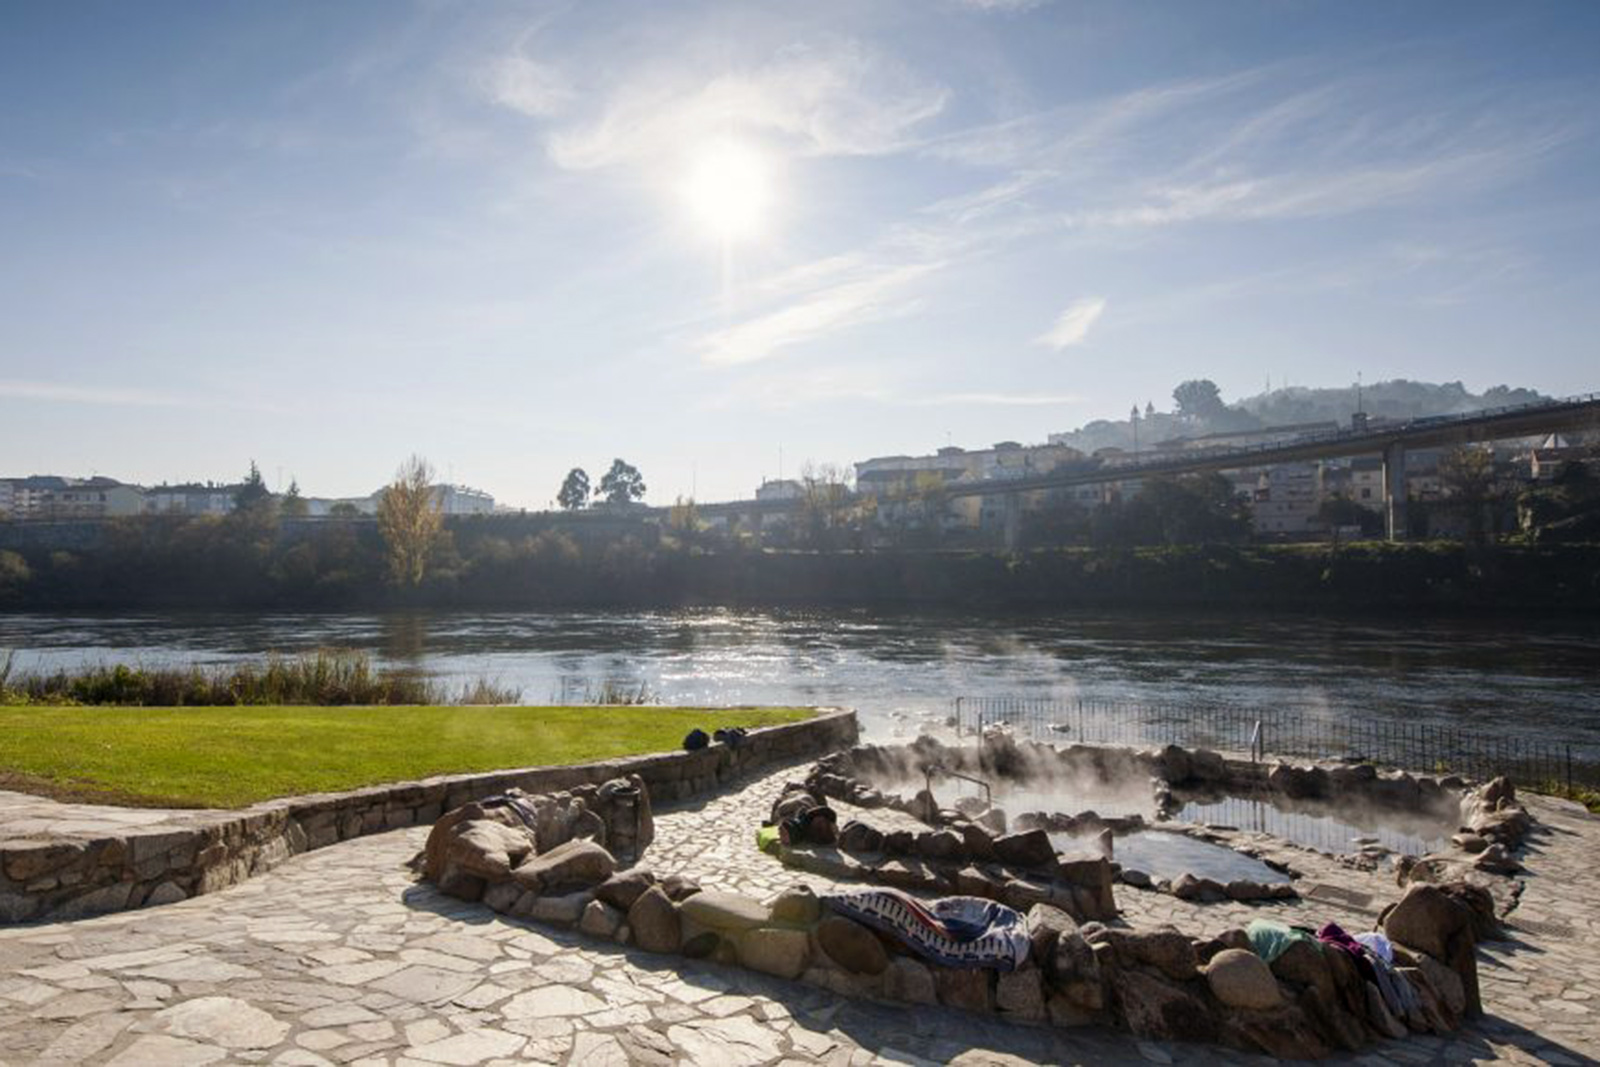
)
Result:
{"points": [[523, 85], [844, 100], [865, 294], [1073, 324], [1002, 5]]}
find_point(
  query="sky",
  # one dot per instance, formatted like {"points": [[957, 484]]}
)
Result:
{"points": [[722, 240]]}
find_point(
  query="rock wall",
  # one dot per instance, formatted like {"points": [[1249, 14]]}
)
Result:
{"points": [[68, 878]]}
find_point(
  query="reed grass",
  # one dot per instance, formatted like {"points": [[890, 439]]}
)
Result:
{"points": [[326, 677]]}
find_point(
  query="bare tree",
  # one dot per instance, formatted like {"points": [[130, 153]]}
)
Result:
{"points": [[410, 518]]}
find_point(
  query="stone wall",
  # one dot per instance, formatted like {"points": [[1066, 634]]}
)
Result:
{"points": [[67, 878]]}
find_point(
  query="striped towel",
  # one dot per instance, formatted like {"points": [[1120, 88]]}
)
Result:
{"points": [[968, 932]]}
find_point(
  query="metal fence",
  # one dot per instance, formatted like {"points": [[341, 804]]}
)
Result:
{"points": [[1299, 733]]}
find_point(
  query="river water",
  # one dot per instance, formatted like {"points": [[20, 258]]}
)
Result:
{"points": [[1529, 677]]}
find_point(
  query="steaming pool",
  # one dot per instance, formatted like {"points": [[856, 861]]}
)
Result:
{"points": [[1333, 828], [1167, 855]]}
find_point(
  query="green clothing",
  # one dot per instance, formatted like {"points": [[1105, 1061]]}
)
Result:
{"points": [[1269, 939]]}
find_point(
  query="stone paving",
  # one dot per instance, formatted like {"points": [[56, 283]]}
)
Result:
{"points": [[340, 956]]}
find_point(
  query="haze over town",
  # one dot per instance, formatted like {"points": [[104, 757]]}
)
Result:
{"points": [[519, 238]]}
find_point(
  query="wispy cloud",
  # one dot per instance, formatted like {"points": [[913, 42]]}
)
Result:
{"points": [[17, 389], [1073, 324], [845, 99], [995, 400], [527, 86], [1002, 5], [869, 293]]}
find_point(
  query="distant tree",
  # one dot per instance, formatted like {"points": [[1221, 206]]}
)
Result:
{"points": [[574, 492], [1472, 487], [410, 518], [14, 574], [344, 510], [683, 518], [252, 492], [293, 505], [1342, 511], [825, 503], [1199, 398], [622, 484]]}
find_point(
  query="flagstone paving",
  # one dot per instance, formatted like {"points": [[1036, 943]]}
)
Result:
{"points": [[340, 957]]}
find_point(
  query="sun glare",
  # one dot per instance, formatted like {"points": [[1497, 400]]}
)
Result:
{"points": [[728, 190]]}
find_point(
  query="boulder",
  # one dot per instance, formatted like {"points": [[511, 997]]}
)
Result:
{"points": [[977, 842], [1242, 980], [940, 845], [1150, 1007], [601, 920], [1166, 949], [910, 981], [993, 820], [625, 887], [1203, 890], [1030, 848], [1020, 994], [852, 946], [701, 946], [783, 953], [502, 896], [654, 921], [857, 836], [483, 847], [899, 842], [679, 888], [797, 905], [1427, 919], [1337, 1026], [967, 989], [1285, 1033], [562, 910], [578, 862], [973, 882], [1305, 963], [717, 910], [1446, 983], [1379, 1015], [166, 893]]}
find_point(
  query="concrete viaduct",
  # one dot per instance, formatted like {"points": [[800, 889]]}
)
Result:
{"points": [[1390, 440]]}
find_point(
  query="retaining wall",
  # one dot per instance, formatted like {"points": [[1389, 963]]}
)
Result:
{"points": [[68, 878]]}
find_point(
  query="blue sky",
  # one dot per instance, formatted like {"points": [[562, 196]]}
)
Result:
{"points": [[516, 238]]}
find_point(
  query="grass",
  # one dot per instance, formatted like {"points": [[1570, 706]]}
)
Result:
{"points": [[324, 677], [233, 757]]}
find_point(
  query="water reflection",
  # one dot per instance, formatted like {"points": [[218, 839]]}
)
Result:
{"points": [[1537, 677]]}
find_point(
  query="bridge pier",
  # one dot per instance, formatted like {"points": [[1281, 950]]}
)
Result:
{"points": [[1394, 491], [1013, 521]]}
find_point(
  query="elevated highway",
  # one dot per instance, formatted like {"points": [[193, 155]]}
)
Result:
{"points": [[1388, 440]]}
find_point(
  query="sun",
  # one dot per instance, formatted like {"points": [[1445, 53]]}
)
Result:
{"points": [[728, 189]]}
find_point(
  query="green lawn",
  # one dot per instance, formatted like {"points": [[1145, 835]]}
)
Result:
{"points": [[234, 756]]}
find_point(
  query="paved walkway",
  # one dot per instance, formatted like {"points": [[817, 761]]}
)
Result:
{"points": [[339, 956]]}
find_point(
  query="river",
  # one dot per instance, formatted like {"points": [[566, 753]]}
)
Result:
{"points": [[1533, 678]]}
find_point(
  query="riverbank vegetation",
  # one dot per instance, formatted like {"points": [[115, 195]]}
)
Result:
{"points": [[232, 757], [531, 562], [327, 677]]}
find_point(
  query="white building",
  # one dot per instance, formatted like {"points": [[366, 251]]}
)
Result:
{"points": [[192, 499], [780, 489], [49, 496], [1287, 498]]}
